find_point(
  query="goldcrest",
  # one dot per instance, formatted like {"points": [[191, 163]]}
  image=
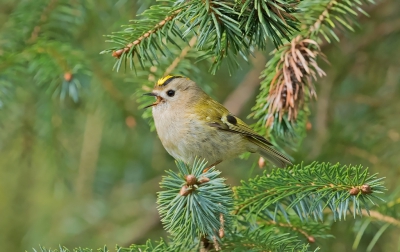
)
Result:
{"points": [[191, 124]]}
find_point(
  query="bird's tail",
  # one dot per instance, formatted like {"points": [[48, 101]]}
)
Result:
{"points": [[271, 154]]}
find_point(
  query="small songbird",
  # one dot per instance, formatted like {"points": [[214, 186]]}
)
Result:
{"points": [[191, 124]]}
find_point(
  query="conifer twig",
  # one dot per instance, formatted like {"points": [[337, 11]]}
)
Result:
{"points": [[331, 190], [309, 237], [321, 18], [46, 12], [192, 202], [184, 52], [279, 105], [385, 218], [118, 53]]}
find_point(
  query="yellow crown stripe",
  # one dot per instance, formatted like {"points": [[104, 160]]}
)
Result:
{"points": [[162, 80]]}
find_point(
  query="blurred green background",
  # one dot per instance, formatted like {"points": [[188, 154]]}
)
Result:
{"points": [[86, 173]]}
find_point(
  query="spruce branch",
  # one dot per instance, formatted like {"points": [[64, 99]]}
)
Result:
{"points": [[288, 81], [181, 56], [326, 16], [64, 249], [192, 203], [66, 76], [225, 29], [32, 19], [117, 54], [28, 14], [294, 68], [218, 31], [381, 217], [309, 230], [260, 20], [307, 191], [39, 50], [361, 228], [147, 36], [149, 246], [43, 17], [175, 66], [378, 220], [264, 238]]}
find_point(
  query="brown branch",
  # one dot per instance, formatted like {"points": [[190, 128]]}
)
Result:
{"points": [[173, 65], [309, 237], [293, 69], [45, 15], [183, 54], [59, 60], [378, 216], [57, 56], [314, 27], [380, 31], [363, 189], [118, 53]]}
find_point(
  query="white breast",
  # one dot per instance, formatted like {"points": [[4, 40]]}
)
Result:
{"points": [[185, 136], [170, 126]]}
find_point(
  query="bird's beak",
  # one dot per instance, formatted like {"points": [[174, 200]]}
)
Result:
{"points": [[150, 94], [159, 99]]}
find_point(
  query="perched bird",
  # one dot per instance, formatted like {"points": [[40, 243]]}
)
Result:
{"points": [[191, 124]]}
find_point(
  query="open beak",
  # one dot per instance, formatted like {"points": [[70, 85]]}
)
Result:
{"points": [[159, 99]]}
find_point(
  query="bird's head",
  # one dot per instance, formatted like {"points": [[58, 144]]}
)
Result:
{"points": [[173, 90]]}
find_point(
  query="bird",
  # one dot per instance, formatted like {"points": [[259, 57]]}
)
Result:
{"points": [[191, 124]]}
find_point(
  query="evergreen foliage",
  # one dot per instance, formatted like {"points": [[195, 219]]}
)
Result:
{"points": [[280, 210], [39, 49], [262, 239], [225, 29], [288, 79], [195, 204], [308, 190], [384, 217], [270, 210]]}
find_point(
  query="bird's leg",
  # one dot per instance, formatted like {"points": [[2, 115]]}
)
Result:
{"points": [[214, 164]]}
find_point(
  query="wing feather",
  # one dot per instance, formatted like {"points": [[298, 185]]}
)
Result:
{"points": [[221, 119]]}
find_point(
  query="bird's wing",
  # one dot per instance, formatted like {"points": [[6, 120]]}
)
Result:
{"points": [[223, 120]]}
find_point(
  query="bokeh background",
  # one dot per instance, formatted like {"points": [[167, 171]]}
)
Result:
{"points": [[85, 172]]}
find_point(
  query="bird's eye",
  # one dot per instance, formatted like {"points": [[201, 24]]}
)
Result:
{"points": [[170, 93]]}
